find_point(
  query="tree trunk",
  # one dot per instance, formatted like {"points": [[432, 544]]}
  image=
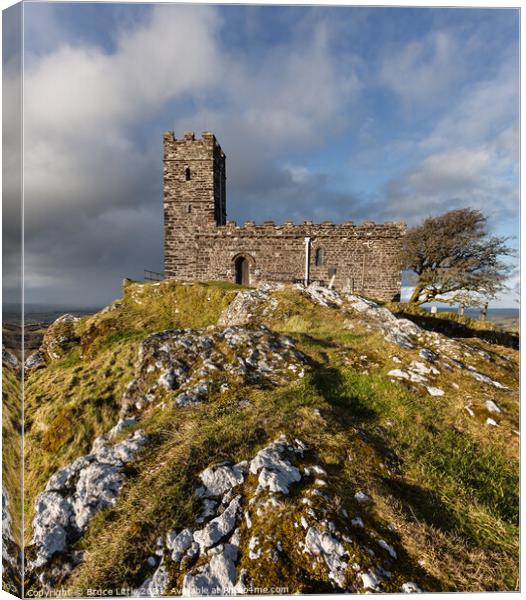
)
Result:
{"points": [[416, 294], [484, 312]]}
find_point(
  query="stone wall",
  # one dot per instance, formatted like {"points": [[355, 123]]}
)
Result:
{"points": [[364, 258], [201, 245]]}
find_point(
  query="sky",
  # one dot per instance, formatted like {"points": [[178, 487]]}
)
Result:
{"points": [[324, 113]]}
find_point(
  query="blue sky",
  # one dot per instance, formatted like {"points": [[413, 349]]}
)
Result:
{"points": [[324, 113]]}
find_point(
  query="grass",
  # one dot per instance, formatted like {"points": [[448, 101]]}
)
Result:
{"points": [[67, 405], [428, 474], [447, 483], [148, 308], [12, 447]]}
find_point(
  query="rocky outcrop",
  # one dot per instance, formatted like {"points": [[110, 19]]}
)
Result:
{"points": [[59, 337], [214, 557], [283, 510], [321, 295], [397, 331], [11, 554], [9, 359], [248, 303], [186, 366], [75, 493], [34, 361]]}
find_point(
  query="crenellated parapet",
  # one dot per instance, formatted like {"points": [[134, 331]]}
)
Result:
{"points": [[189, 147], [308, 228]]}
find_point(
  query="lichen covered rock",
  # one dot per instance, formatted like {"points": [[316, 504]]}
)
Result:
{"points": [[60, 336], [76, 492], [186, 366], [254, 527]]}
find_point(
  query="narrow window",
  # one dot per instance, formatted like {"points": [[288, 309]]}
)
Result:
{"points": [[318, 257], [189, 208], [187, 175]]}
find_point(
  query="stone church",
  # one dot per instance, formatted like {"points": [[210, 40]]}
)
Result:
{"points": [[200, 244]]}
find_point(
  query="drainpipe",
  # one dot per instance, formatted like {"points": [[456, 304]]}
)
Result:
{"points": [[307, 261]]}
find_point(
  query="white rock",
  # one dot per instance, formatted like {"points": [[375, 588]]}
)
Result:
{"points": [[410, 588], [315, 469], [208, 509], [219, 527], [221, 478], [397, 330], [179, 543], [434, 391], [485, 379], [491, 422], [322, 295], [492, 407], [248, 520], [33, 361], [383, 544], [369, 580], [215, 578], [325, 545], [121, 426], [53, 517], [427, 354], [398, 373], [362, 498], [399, 338], [254, 551], [86, 485], [97, 487], [121, 453], [422, 369], [275, 471], [154, 585], [63, 478], [357, 522]]}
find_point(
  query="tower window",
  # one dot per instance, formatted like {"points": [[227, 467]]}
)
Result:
{"points": [[318, 257], [187, 175], [189, 208]]}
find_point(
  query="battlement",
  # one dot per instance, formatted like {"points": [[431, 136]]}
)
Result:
{"points": [[191, 148], [309, 228]]}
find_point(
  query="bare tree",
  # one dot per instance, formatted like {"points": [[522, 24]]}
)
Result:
{"points": [[453, 253]]}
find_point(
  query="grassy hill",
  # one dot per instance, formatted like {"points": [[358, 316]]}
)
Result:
{"points": [[380, 455]]}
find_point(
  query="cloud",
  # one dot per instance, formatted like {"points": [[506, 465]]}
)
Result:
{"points": [[77, 87], [93, 121], [421, 71], [84, 161], [484, 111], [469, 158]]}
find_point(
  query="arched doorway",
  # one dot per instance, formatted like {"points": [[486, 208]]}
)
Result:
{"points": [[242, 267]]}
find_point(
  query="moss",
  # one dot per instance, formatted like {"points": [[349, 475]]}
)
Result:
{"points": [[60, 431]]}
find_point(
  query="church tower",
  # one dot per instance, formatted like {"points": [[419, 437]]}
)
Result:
{"points": [[194, 182]]}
